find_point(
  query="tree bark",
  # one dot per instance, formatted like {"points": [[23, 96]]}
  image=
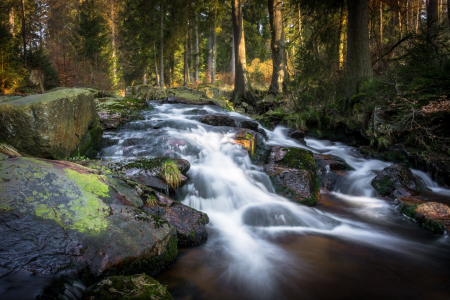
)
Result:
{"points": [[432, 17], [11, 20], [448, 12], [24, 36], [233, 59], [186, 65], [242, 88], [161, 46], [341, 38], [113, 43], [359, 66], [277, 45], [197, 51], [209, 65], [213, 48]]}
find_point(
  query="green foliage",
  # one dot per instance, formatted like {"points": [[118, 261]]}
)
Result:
{"points": [[171, 174]]}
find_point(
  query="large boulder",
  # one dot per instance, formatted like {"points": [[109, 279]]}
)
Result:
{"points": [[54, 125], [145, 92], [395, 179], [136, 287], [58, 217], [429, 215], [254, 143], [293, 174]]}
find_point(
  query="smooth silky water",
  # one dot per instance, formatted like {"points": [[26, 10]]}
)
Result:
{"points": [[352, 245]]}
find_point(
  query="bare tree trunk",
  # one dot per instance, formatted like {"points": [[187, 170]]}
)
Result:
{"points": [[197, 51], [300, 25], [242, 88], [233, 59], [448, 12], [432, 18], [113, 43], [277, 45], [144, 81], [24, 37], [209, 66], [341, 37], [11, 20], [186, 66], [214, 46], [359, 66], [158, 83], [161, 46]]}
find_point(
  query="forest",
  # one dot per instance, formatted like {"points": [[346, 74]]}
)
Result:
{"points": [[329, 63], [234, 149]]}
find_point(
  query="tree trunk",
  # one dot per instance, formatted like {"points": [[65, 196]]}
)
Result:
{"points": [[145, 78], [277, 45], [432, 17], [233, 59], [448, 12], [197, 51], [341, 38], [213, 48], [11, 20], [300, 25], [158, 83], [113, 43], [242, 88], [24, 36], [209, 65], [161, 47], [359, 66], [381, 24], [186, 66]]}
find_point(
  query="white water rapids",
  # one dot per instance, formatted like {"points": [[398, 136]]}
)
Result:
{"points": [[246, 216]]}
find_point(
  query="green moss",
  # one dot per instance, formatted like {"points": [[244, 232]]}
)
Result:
{"points": [[384, 185], [297, 158], [89, 183], [435, 226], [136, 287], [408, 209]]}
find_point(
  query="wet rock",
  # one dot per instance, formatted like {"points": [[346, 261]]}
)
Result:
{"points": [[58, 217], [394, 177], [296, 135], [116, 111], [430, 215], [293, 174], [56, 125], [247, 124], [267, 102], [219, 120], [270, 215], [331, 163], [131, 287], [189, 223]]}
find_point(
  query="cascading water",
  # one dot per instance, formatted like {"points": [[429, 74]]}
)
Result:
{"points": [[246, 256]]}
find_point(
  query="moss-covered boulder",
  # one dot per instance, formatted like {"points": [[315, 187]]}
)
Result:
{"points": [[55, 125], [429, 215], [57, 217], [139, 287], [145, 92], [114, 111], [293, 174], [254, 143], [394, 177]]}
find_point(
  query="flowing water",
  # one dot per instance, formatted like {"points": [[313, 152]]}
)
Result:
{"points": [[352, 245]]}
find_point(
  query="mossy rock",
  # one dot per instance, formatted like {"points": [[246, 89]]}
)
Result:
{"points": [[52, 125], [432, 216], [84, 223], [136, 287]]}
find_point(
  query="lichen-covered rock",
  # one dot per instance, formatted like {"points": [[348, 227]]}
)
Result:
{"points": [[145, 92], [61, 217], [115, 111], [430, 215], [139, 287], [394, 177], [293, 174], [55, 125]]}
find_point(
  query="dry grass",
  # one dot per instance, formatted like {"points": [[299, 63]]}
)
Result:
{"points": [[8, 150], [171, 174]]}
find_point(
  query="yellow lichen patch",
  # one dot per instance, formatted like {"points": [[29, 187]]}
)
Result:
{"points": [[88, 182], [89, 214]]}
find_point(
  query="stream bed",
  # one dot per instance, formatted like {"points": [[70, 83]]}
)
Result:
{"points": [[261, 246], [352, 245]]}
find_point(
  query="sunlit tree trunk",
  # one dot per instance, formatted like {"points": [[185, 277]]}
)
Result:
{"points": [[113, 42], [277, 45], [209, 66], [359, 66], [242, 88], [11, 20], [186, 65], [197, 51], [161, 46], [233, 59], [342, 22]]}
